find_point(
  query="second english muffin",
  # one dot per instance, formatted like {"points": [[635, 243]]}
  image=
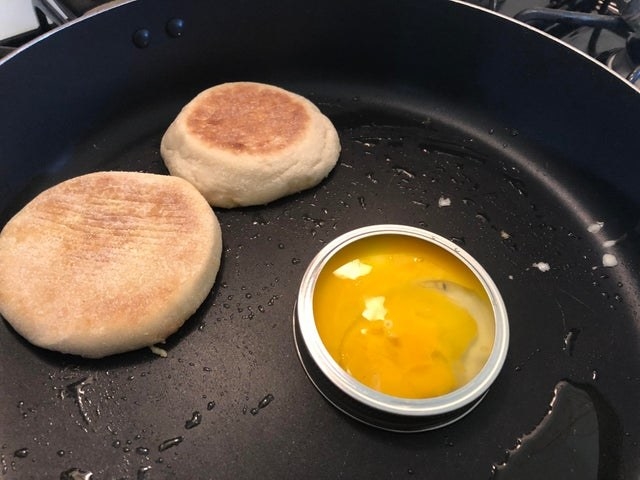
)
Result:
{"points": [[246, 143]]}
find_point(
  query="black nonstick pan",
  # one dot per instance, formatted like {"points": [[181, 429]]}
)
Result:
{"points": [[533, 145]]}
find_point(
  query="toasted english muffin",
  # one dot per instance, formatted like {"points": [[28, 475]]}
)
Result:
{"points": [[246, 143], [108, 262]]}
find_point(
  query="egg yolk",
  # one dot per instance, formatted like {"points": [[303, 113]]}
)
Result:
{"points": [[403, 316]]}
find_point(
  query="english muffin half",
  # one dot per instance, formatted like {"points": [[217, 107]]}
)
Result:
{"points": [[108, 262], [245, 143]]}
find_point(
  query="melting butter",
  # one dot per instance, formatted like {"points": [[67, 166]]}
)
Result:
{"points": [[352, 270], [374, 308]]}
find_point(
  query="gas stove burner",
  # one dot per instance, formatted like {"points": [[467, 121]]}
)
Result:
{"points": [[610, 7], [607, 30], [625, 61]]}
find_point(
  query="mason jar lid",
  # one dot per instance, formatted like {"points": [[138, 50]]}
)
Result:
{"points": [[375, 407]]}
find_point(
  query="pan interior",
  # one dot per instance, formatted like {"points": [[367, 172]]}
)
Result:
{"points": [[516, 209]]}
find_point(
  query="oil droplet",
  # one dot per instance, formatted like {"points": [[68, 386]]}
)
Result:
{"points": [[570, 340], [483, 217], [21, 453], [116, 444], [517, 184], [368, 141], [265, 401], [77, 389], [142, 472], [211, 405], [579, 438], [76, 474], [403, 172], [60, 453], [194, 421], [272, 300], [172, 442], [371, 178], [316, 221]]}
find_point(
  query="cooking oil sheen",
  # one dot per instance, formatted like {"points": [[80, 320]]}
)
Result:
{"points": [[579, 438], [403, 316]]}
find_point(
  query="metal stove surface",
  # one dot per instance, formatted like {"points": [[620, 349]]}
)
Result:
{"points": [[16, 18], [608, 30]]}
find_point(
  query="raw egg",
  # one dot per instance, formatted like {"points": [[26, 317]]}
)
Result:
{"points": [[403, 316]]}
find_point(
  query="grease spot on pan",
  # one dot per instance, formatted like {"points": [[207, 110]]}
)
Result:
{"points": [[21, 453], [194, 421], [171, 442], [264, 402], [567, 442]]}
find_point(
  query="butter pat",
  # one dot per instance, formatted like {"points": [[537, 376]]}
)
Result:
{"points": [[374, 308], [352, 270]]}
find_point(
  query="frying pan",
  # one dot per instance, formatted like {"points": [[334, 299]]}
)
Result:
{"points": [[533, 144]]}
